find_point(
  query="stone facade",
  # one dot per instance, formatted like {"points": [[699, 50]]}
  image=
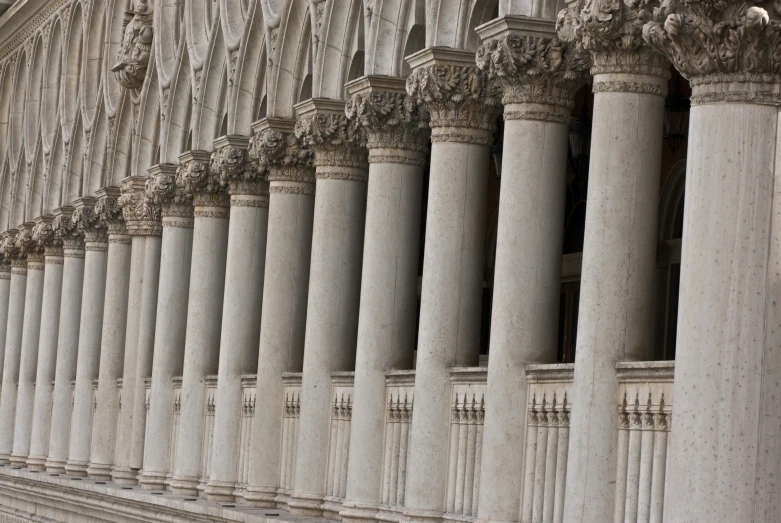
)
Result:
{"points": [[305, 259]]}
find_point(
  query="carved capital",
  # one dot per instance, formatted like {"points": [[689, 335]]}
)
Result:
{"points": [[197, 178], [462, 103], [141, 214], [66, 230], [276, 146], [336, 141], [611, 32], [714, 44], [45, 236], [108, 209], [391, 119], [89, 223], [27, 248], [136, 48], [11, 252], [530, 64], [237, 168], [163, 188]]}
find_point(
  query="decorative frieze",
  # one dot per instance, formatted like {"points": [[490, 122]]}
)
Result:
{"points": [[395, 124], [197, 178], [530, 64], [323, 127], [90, 224], [462, 103], [165, 189], [142, 215], [729, 52]]}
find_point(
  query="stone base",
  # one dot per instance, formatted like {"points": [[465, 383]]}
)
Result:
{"points": [[356, 512], [306, 505], [18, 461], [36, 463], [76, 468], [150, 480], [55, 466], [99, 471], [5, 459], [422, 516], [220, 491], [124, 475], [185, 485], [261, 497]]}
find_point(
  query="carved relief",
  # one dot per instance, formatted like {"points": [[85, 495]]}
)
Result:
{"points": [[28, 249], [459, 99], [240, 171], [198, 179], [45, 236], [91, 226], [67, 231], [110, 212], [167, 191], [336, 141], [141, 214], [137, 33], [283, 155]]}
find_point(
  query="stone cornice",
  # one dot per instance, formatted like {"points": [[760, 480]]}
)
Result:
{"points": [[462, 103], [530, 64], [237, 168], [336, 141], [392, 120], [21, 21], [276, 146], [142, 215], [164, 188], [197, 178], [729, 51]]}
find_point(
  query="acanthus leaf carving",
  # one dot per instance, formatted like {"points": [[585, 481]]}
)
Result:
{"points": [[283, 155], [90, 224], [67, 231], [166, 190], [142, 215], [239, 170], [198, 178], [45, 236], [335, 140], [137, 33], [107, 208]]}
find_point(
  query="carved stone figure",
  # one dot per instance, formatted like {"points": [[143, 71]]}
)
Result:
{"points": [[136, 48]]}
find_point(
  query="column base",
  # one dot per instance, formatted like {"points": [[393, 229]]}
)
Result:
{"points": [[55, 466], [124, 475], [76, 469], [36, 463], [5, 459], [220, 491], [99, 471], [261, 497], [150, 480], [332, 506], [358, 512], [18, 461], [306, 505], [414, 515], [184, 485]]}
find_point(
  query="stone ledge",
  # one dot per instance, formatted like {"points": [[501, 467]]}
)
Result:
{"points": [[39, 497]]}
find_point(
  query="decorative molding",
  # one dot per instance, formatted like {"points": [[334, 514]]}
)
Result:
{"points": [[350, 176], [289, 189], [629, 87], [30, 27]]}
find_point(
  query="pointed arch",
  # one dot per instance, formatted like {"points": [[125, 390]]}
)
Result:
{"points": [[71, 73], [249, 84], [170, 38], [234, 15], [6, 95], [73, 167], [92, 62], [293, 37], [387, 27], [451, 23], [202, 26], [95, 157], [147, 130], [337, 35], [210, 86], [16, 134], [34, 198], [175, 121], [5, 195], [55, 168], [18, 193], [33, 104], [50, 98]]}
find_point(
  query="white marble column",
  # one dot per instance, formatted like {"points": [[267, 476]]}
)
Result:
{"points": [[334, 284], [47, 349], [463, 115], [13, 342], [204, 311], [28, 361], [171, 322], [397, 142], [87, 363], [537, 94], [286, 284], [5, 290], [241, 312], [725, 455], [619, 254], [67, 338], [104, 424]]}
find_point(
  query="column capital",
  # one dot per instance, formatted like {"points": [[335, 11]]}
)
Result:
{"points": [[141, 214], [67, 231], [531, 65], [336, 141], [729, 52], [462, 103], [239, 170], [289, 163], [610, 31], [47, 239], [199, 179], [163, 188], [12, 253], [28, 247], [395, 123], [90, 224], [108, 210]]}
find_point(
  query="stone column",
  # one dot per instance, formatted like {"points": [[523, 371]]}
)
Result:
{"points": [[104, 424], [171, 322], [51, 242], [204, 311], [87, 363], [246, 261], [334, 285], [13, 340], [463, 110], [398, 143], [5, 290], [67, 338], [286, 283], [725, 456], [28, 361], [538, 76], [619, 248]]}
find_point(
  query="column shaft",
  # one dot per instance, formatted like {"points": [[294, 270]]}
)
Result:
{"points": [[5, 291], [47, 359]]}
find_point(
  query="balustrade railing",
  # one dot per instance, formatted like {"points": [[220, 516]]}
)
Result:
{"points": [[547, 439], [209, 407], [399, 399], [177, 406], [248, 385], [291, 411], [339, 442]]}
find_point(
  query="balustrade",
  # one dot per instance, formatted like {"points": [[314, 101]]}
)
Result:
{"points": [[210, 407], [339, 442], [248, 385], [400, 395], [177, 382], [290, 422]]}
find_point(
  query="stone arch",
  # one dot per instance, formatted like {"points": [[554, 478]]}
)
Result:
{"points": [[95, 158], [118, 162], [6, 94], [16, 131], [201, 23], [53, 188], [304, 68], [451, 23], [233, 17], [337, 35], [5, 195], [92, 62], [69, 83], [249, 80], [35, 193], [18, 193], [147, 131], [545, 9], [387, 26], [293, 42], [169, 38], [416, 41], [210, 86], [73, 165], [33, 104], [112, 90], [51, 86], [175, 121], [671, 201]]}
